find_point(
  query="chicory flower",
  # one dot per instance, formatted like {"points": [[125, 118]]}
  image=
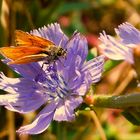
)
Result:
{"points": [[59, 86], [122, 47]]}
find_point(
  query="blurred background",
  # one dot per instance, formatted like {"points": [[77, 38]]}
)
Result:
{"points": [[89, 17]]}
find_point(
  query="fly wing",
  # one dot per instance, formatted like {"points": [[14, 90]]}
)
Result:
{"points": [[29, 59], [26, 39], [19, 52]]}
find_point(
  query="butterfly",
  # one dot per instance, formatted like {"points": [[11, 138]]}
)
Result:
{"points": [[31, 48]]}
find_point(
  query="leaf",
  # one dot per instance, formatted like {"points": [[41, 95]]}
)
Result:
{"points": [[132, 115]]}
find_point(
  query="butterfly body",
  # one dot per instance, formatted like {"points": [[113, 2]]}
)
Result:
{"points": [[31, 48]]}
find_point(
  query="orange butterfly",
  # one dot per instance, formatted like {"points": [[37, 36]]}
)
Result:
{"points": [[31, 48]]}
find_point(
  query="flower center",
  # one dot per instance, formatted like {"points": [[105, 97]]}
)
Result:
{"points": [[53, 84]]}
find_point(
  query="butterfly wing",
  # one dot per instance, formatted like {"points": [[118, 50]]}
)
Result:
{"points": [[28, 59], [30, 48], [19, 52], [26, 39]]}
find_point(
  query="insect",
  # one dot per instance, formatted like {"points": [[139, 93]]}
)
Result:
{"points": [[31, 48]]}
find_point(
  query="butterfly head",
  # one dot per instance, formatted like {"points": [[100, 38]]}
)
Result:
{"points": [[55, 53], [61, 52]]}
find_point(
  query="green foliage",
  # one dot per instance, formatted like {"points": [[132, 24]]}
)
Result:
{"points": [[72, 6], [132, 115]]}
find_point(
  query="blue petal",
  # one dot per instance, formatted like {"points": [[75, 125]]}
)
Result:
{"points": [[18, 85], [29, 71], [73, 69], [42, 121], [26, 94], [95, 68], [81, 91], [22, 103], [65, 110], [76, 81], [128, 33], [76, 55], [114, 50], [77, 47]]}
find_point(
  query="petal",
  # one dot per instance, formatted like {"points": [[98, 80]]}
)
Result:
{"points": [[18, 85], [81, 91], [29, 71], [114, 49], [42, 121], [26, 95], [25, 104], [76, 55], [69, 69], [8, 98], [54, 33], [77, 46], [95, 68], [76, 81], [22, 103], [74, 68], [65, 110], [128, 33]]}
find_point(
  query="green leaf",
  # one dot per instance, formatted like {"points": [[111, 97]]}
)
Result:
{"points": [[132, 115]]}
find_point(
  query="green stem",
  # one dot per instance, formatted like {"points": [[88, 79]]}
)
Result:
{"points": [[61, 131], [117, 102]]}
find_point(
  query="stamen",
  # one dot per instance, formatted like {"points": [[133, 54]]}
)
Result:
{"points": [[53, 84], [51, 68], [40, 78]]}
